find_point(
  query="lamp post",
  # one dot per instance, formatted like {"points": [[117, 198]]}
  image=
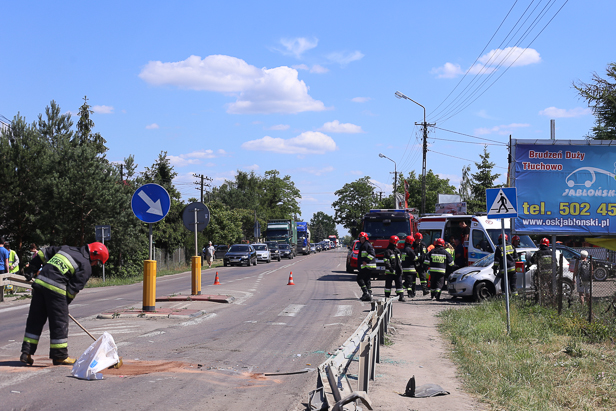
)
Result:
{"points": [[425, 150], [395, 175]]}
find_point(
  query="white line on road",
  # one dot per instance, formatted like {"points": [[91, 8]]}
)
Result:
{"points": [[327, 325], [17, 307], [19, 378], [291, 310], [198, 320], [153, 333], [344, 311]]}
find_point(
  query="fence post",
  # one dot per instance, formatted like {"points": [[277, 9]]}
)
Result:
{"points": [[560, 284], [590, 294]]}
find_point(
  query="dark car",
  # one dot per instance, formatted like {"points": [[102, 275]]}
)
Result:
{"points": [[602, 269], [285, 251], [220, 251], [274, 250], [240, 254], [351, 262]]}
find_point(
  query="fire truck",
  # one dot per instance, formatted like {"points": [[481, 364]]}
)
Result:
{"points": [[381, 224]]}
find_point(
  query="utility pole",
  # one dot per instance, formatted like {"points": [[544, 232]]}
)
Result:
{"points": [[202, 183]]}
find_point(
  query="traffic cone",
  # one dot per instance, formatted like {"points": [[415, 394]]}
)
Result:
{"points": [[216, 282], [291, 279]]}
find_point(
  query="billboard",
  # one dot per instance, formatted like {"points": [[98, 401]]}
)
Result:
{"points": [[565, 187]]}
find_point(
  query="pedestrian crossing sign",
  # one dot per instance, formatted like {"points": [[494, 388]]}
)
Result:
{"points": [[502, 202]]}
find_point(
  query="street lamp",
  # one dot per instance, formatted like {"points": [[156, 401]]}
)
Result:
{"points": [[425, 150], [395, 175]]}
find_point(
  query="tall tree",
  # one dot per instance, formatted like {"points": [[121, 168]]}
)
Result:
{"points": [[435, 185], [600, 95], [354, 200], [465, 184], [481, 180], [321, 226]]}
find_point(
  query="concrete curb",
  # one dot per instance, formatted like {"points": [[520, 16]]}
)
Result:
{"points": [[202, 297]]}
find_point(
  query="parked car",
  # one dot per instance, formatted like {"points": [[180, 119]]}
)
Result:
{"points": [[285, 251], [318, 247], [263, 253], [602, 269], [220, 251], [351, 261], [479, 282], [240, 254], [313, 248], [274, 250]]}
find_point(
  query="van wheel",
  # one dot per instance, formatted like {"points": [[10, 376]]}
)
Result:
{"points": [[567, 289], [482, 291], [600, 274]]}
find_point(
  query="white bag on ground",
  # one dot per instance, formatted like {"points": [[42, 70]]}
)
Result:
{"points": [[103, 353]]}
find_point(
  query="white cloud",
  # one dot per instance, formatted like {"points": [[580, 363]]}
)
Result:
{"points": [[102, 109], [309, 199], [279, 127], [510, 56], [301, 67], [194, 158], [356, 172], [257, 91], [344, 58], [502, 130], [254, 167], [384, 187], [317, 171], [309, 142], [152, 126], [484, 114], [453, 178], [297, 46], [564, 113], [360, 99], [318, 69], [337, 127]]}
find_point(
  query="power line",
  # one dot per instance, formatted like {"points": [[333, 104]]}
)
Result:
{"points": [[468, 135], [460, 158], [469, 142]]}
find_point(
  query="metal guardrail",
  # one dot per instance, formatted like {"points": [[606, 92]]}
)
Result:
{"points": [[333, 387], [14, 280]]}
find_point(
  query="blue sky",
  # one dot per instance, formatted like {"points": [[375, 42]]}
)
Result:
{"points": [[307, 88]]}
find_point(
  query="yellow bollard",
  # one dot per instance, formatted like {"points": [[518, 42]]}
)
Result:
{"points": [[196, 275], [149, 285]]}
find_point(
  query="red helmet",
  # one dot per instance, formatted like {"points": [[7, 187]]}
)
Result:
{"points": [[364, 235], [500, 237], [439, 242], [394, 239], [98, 251], [418, 236], [515, 238], [408, 239], [545, 242]]}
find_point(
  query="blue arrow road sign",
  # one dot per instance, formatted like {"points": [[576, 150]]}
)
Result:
{"points": [[502, 202], [150, 203]]}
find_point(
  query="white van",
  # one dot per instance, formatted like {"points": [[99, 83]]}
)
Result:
{"points": [[482, 238]]}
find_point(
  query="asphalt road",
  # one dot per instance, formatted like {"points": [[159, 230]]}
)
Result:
{"points": [[232, 358]]}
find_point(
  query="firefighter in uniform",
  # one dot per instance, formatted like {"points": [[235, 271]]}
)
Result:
{"points": [[393, 268], [420, 253], [65, 272], [409, 272], [366, 262], [437, 262], [542, 279], [508, 252]]}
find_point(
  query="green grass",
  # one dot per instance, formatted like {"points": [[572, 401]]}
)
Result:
{"points": [[111, 280], [548, 362]]}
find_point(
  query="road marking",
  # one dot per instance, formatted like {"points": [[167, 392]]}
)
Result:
{"points": [[198, 320], [21, 377], [17, 307], [278, 323], [291, 310], [344, 311], [327, 325], [152, 334]]}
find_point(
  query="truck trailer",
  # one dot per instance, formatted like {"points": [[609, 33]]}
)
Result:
{"points": [[282, 232]]}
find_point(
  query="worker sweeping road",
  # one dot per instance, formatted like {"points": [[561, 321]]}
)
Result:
{"points": [[65, 271]]}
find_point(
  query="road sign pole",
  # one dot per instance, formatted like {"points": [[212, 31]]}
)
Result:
{"points": [[196, 262], [505, 274], [150, 257]]}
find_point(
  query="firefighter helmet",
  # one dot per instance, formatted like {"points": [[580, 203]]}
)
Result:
{"points": [[408, 239], [439, 242], [394, 239], [515, 239], [98, 251], [364, 235], [418, 236], [545, 242], [500, 238]]}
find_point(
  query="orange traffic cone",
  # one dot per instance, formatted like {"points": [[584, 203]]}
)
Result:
{"points": [[291, 279], [216, 282]]}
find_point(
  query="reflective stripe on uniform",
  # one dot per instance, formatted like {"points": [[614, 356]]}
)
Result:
{"points": [[437, 270], [60, 345], [63, 262], [59, 341], [31, 338], [41, 254], [51, 285]]}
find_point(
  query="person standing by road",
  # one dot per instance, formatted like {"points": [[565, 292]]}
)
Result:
{"points": [[506, 251], [65, 271], [209, 254], [582, 274], [437, 261], [420, 253], [393, 268], [543, 275], [409, 271], [4, 257], [366, 261], [13, 265]]}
